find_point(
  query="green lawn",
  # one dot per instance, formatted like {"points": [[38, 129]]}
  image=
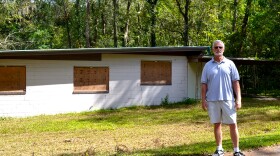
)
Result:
{"points": [[180, 129]]}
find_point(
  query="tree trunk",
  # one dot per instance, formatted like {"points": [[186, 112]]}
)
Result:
{"points": [[246, 17], [139, 27], [78, 23], [243, 34], [126, 27], [87, 33], [235, 6], [66, 18], [185, 15], [103, 18], [153, 4], [186, 18], [95, 13], [115, 4]]}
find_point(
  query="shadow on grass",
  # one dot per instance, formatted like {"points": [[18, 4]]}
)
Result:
{"points": [[259, 110], [149, 115], [252, 102], [252, 110], [198, 149]]}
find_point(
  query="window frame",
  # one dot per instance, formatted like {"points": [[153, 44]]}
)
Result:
{"points": [[78, 90]]}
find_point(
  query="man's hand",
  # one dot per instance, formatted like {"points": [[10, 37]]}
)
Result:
{"points": [[236, 88], [203, 96], [204, 105], [237, 104]]}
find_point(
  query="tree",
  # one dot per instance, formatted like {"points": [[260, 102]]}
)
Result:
{"points": [[249, 28], [115, 4], [152, 11], [234, 20], [77, 27], [95, 14], [126, 25], [244, 28], [87, 33], [66, 19], [185, 13]]}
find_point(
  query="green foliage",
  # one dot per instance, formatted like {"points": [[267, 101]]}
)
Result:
{"points": [[166, 102], [187, 101], [258, 80], [61, 24]]}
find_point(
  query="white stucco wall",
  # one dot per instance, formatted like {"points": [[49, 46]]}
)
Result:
{"points": [[49, 86]]}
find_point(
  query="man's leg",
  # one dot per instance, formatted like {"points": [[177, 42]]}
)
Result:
{"points": [[218, 133], [234, 135]]}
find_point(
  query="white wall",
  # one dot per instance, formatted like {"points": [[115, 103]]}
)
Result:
{"points": [[50, 86]]}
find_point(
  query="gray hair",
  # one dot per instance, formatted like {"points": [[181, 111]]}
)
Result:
{"points": [[218, 41]]}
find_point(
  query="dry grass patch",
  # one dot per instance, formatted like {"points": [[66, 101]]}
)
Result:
{"points": [[165, 130]]}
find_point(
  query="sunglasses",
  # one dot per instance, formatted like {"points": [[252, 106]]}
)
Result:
{"points": [[218, 47]]}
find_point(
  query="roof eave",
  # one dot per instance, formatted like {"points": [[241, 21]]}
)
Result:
{"points": [[82, 53]]}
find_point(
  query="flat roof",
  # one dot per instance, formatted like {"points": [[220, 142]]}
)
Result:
{"points": [[95, 53]]}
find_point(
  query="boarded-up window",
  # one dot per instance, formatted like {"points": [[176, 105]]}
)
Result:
{"points": [[12, 80], [91, 79], [156, 73]]}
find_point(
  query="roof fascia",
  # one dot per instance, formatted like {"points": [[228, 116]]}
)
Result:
{"points": [[95, 53]]}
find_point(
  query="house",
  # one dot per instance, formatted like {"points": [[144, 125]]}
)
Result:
{"points": [[36, 82]]}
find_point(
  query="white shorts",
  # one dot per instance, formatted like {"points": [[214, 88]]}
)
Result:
{"points": [[222, 112]]}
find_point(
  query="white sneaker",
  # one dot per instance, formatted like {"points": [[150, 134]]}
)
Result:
{"points": [[219, 153]]}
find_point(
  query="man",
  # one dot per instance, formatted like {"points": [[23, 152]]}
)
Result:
{"points": [[221, 96]]}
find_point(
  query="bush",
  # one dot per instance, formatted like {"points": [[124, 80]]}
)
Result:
{"points": [[165, 101]]}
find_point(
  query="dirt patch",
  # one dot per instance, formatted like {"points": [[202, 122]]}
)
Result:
{"points": [[267, 99], [264, 151]]}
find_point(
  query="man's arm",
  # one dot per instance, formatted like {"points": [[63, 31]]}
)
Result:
{"points": [[237, 91], [203, 96]]}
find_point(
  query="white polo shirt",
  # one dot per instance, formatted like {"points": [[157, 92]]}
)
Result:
{"points": [[219, 77]]}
